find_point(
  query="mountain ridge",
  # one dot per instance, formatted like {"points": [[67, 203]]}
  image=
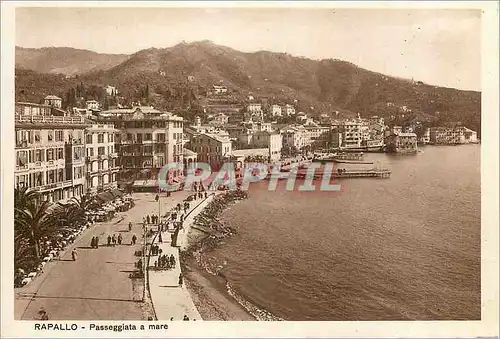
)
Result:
{"points": [[317, 86]]}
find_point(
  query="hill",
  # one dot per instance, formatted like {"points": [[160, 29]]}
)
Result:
{"points": [[160, 76], [64, 60]]}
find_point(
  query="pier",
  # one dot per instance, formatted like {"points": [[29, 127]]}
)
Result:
{"points": [[364, 173]]}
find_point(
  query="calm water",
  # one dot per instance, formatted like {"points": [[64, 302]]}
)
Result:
{"points": [[407, 247]]}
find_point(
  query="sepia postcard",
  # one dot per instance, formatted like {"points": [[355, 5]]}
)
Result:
{"points": [[250, 169]]}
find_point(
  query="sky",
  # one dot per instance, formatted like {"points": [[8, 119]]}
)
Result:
{"points": [[438, 46]]}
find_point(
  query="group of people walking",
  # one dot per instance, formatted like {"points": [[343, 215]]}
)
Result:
{"points": [[94, 243], [113, 240], [151, 219], [165, 261]]}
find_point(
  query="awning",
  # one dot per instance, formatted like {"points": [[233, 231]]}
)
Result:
{"points": [[145, 183], [105, 196]]}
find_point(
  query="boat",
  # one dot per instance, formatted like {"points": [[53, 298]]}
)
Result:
{"points": [[339, 161]]}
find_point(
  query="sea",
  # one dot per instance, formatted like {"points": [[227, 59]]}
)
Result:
{"points": [[403, 248]]}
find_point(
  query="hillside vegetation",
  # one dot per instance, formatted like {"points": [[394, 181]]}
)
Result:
{"points": [[160, 77]]}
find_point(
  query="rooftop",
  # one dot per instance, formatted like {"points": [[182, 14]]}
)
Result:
{"points": [[52, 97]]}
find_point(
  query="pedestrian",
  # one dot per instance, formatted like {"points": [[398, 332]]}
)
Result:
{"points": [[42, 313], [92, 242], [180, 280], [96, 242], [206, 196], [134, 239], [160, 239], [109, 240], [156, 264], [120, 239], [74, 254], [148, 219], [171, 318], [130, 226], [160, 251], [113, 239], [186, 318]]}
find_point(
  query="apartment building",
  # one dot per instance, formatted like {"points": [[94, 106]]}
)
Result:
{"points": [[52, 100], [447, 136], [288, 110], [352, 135], [101, 159], [147, 142], [401, 143], [273, 141], [211, 148], [275, 110], [49, 151]]}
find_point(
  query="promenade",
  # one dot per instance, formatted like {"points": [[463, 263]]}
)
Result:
{"points": [[170, 300], [97, 285]]}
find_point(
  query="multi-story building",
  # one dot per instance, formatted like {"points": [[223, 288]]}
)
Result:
{"points": [[288, 110], [263, 139], [470, 135], [426, 136], [293, 136], [219, 89], [401, 143], [325, 119], [351, 134], [110, 90], [275, 110], [101, 158], [92, 105], [219, 119], [211, 148], [52, 100], [254, 112], [147, 142], [447, 136], [50, 152]]}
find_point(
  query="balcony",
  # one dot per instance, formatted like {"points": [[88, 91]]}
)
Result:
{"points": [[49, 119], [22, 144], [22, 168], [92, 158]]}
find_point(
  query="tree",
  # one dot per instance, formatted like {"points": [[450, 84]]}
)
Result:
{"points": [[34, 223]]}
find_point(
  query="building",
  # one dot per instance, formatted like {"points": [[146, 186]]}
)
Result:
{"points": [[447, 136], [110, 90], [275, 110], [92, 105], [211, 148], [273, 141], [219, 89], [288, 110], [50, 152], [324, 119], [52, 100], [219, 119], [470, 135], [293, 137], [401, 143], [352, 135], [426, 137], [102, 164], [119, 112], [147, 142]]}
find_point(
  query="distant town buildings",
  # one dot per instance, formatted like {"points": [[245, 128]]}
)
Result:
{"points": [[401, 143], [452, 135], [110, 90], [219, 89], [92, 105], [275, 110], [52, 100]]}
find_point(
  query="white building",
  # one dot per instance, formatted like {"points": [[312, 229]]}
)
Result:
{"points": [[276, 110], [219, 89], [271, 140], [92, 105], [101, 158], [110, 90], [288, 110], [52, 100]]}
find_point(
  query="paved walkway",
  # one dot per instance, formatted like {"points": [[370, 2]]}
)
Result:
{"points": [[169, 299], [96, 286]]}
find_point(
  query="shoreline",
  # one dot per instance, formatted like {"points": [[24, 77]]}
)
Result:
{"points": [[209, 289]]}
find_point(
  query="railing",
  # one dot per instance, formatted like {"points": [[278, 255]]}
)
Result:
{"points": [[92, 157], [50, 119]]}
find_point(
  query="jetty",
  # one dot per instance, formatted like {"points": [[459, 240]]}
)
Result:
{"points": [[361, 173]]}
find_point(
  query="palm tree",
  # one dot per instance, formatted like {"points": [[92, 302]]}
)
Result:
{"points": [[24, 196], [34, 223]]}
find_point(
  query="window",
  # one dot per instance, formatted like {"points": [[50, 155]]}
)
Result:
{"points": [[88, 139], [22, 158], [129, 136], [60, 153], [37, 136], [101, 150], [38, 155], [139, 137], [148, 137], [100, 138], [50, 154], [111, 137], [59, 136], [50, 135], [91, 151]]}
